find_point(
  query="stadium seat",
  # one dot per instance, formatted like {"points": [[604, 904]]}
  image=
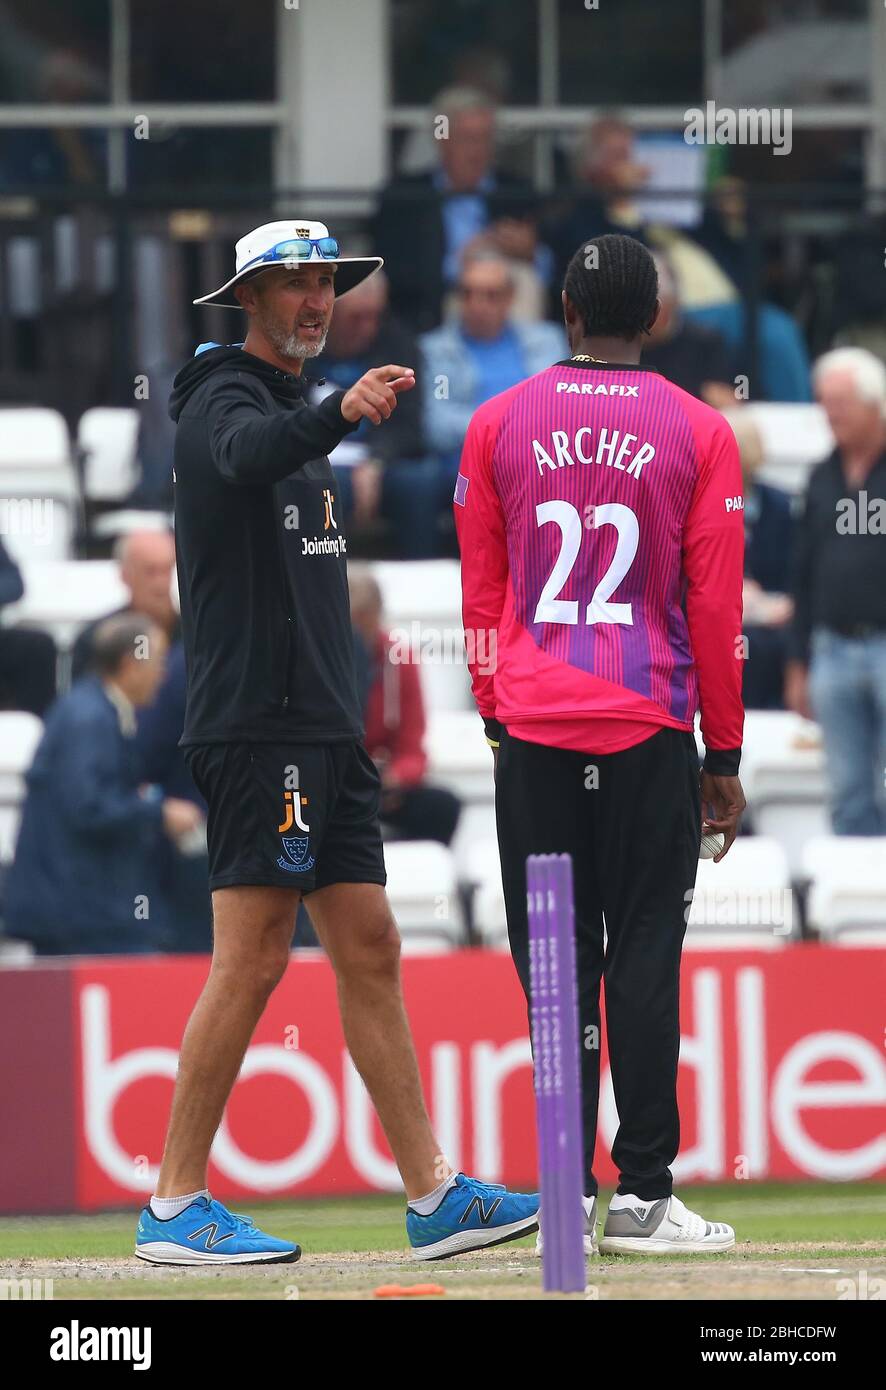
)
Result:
{"points": [[795, 438], [422, 604], [460, 759], [847, 885], [867, 938], [40, 507], [107, 437], [122, 521], [747, 895], [423, 892], [482, 872], [424, 589], [63, 595], [783, 775], [458, 753]]}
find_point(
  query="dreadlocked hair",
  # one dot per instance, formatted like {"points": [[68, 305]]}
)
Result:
{"points": [[613, 283]]}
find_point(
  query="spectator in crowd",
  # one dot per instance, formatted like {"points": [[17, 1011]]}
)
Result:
{"points": [[611, 176], [692, 357], [482, 353], [838, 669], [147, 562], [83, 875], [27, 658], [607, 176], [768, 608], [183, 864], [380, 470], [426, 222], [395, 724]]}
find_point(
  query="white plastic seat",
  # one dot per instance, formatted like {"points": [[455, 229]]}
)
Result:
{"points": [[795, 437], [423, 890], [871, 938], [458, 754], [784, 777], [847, 884], [482, 870], [33, 438], [122, 521], [20, 733], [107, 436], [39, 492], [36, 529], [10, 820], [423, 589], [61, 596], [460, 759], [422, 606], [749, 891]]}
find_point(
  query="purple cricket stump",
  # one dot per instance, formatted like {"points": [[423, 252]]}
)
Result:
{"points": [[543, 1072], [554, 1016], [568, 1076]]}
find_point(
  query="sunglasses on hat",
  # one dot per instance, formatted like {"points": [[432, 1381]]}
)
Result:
{"points": [[298, 249]]}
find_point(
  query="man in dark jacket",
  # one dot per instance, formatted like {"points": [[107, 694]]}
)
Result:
{"points": [[425, 222], [82, 880], [272, 739]]}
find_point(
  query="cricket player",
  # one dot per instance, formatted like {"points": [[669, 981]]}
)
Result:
{"points": [[273, 740], [599, 514]]}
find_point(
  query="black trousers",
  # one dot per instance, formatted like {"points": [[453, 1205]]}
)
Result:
{"points": [[632, 823]]}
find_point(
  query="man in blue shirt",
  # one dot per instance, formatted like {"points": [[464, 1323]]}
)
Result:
{"points": [[426, 223], [483, 353]]}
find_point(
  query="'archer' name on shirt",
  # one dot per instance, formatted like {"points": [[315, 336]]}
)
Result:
{"points": [[608, 448]]}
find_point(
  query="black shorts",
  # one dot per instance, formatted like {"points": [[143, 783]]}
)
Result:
{"points": [[289, 815]]}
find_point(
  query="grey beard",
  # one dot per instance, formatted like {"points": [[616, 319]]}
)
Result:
{"points": [[290, 345]]}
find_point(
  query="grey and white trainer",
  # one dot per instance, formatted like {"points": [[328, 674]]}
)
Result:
{"points": [[662, 1227], [590, 1231]]}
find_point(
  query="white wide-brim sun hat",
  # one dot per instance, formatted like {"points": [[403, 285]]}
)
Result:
{"points": [[252, 249]]}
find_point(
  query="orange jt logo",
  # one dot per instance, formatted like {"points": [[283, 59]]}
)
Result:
{"points": [[328, 518], [292, 804]]}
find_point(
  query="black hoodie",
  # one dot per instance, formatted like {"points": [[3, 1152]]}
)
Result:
{"points": [[261, 556]]}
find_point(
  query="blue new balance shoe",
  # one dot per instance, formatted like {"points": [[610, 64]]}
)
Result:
{"points": [[471, 1216], [206, 1233]]}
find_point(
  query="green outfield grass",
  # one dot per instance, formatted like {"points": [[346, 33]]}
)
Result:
{"points": [[763, 1214]]}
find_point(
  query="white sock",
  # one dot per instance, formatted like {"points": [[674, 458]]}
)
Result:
{"points": [[425, 1205], [165, 1208]]}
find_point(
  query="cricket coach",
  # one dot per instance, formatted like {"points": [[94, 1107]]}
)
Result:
{"points": [[273, 740]]}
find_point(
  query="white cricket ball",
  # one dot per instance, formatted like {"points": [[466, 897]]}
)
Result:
{"points": [[711, 844]]}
